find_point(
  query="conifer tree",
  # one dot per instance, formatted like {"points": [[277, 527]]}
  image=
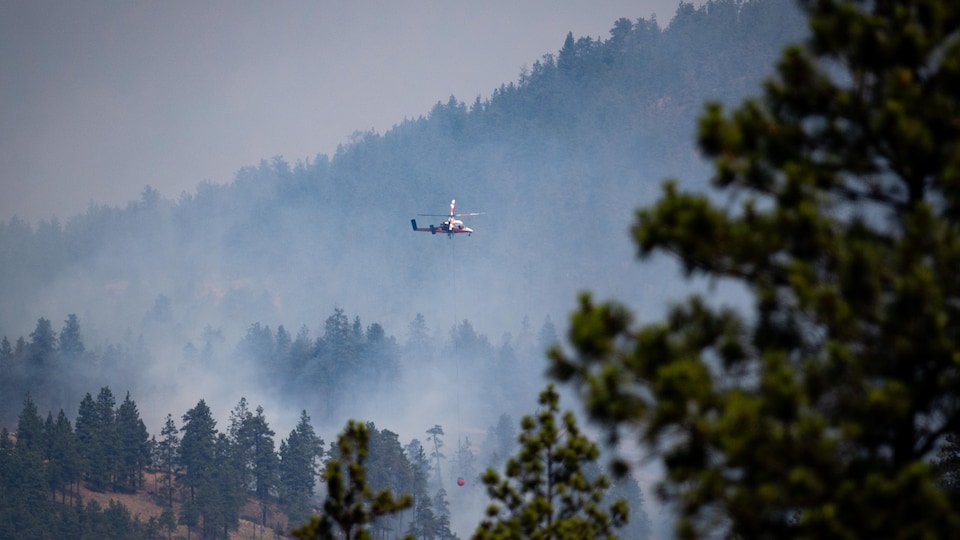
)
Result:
{"points": [[424, 518], [222, 491], [265, 461], [387, 469], [440, 527], [435, 432], [63, 458], [547, 336], [168, 522], [30, 431], [283, 343], [500, 442], [301, 351], [7, 528], [351, 505], [545, 492], [189, 516], [167, 458], [627, 488], [70, 340], [197, 447], [381, 357], [86, 433], [6, 350], [96, 439], [43, 343], [239, 434], [418, 345], [299, 458], [133, 446], [262, 464], [815, 414], [26, 494]]}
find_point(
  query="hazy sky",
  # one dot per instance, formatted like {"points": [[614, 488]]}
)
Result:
{"points": [[99, 99]]}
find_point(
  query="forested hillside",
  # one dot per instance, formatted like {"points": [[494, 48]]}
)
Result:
{"points": [[301, 286], [557, 159]]}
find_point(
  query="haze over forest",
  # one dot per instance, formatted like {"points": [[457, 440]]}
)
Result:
{"points": [[300, 285], [106, 97]]}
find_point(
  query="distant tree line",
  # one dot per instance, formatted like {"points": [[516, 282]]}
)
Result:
{"points": [[203, 477], [552, 488], [315, 374], [205, 474], [599, 118]]}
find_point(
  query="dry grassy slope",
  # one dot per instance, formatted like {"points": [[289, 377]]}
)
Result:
{"points": [[146, 504]]}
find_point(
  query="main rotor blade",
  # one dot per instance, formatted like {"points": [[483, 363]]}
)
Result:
{"points": [[455, 215]]}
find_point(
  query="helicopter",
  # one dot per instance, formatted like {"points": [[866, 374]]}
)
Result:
{"points": [[450, 226]]}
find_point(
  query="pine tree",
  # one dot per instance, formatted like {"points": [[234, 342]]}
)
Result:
{"points": [[96, 439], [43, 343], [500, 442], [26, 492], [547, 336], [7, 476], [441, 524], [258, 343], [418, 345], [381, 357], [351, 505], [167, 458], [168, 522], [239, 434], [253, 455], [299, 459], [71, 342], [116, 522], [264, 464], [30, 431], [423, 521], [222, 491], [546, 492], [387, 469], [283, 343], [625, 487], [435, 432], [189, 516], [63, 457], [814, 414], [197, 447], [86, 432], [6, 351], [102, 463], [338, 337], [133, 446]]}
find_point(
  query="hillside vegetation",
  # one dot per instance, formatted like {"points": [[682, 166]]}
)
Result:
{"points": [[228, 291], [558, 159]]}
